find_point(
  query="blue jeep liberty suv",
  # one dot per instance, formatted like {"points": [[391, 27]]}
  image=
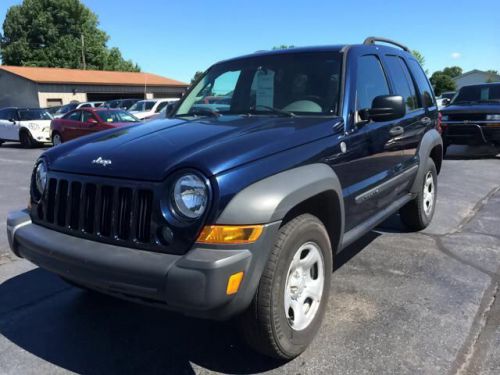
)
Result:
{"points": [[236, 205]]}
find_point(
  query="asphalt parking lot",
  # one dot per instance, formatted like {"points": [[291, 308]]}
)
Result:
{"points": [[400, 303]]}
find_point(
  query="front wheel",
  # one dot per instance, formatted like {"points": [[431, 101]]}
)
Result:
{"points": [[417, 214], [26, 139], [56, 139], [292, 296]]}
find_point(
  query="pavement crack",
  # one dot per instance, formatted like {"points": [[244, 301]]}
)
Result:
{"points": [[475, 210], [468, 352]]}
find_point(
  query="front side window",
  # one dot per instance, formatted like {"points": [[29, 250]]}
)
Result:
{"points": [[86, 116], [299, 83], [370, 81], [402, 81], [73, 116], [33, 114]]}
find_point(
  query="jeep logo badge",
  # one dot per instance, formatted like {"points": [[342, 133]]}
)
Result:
{"points": [[101, 161]]}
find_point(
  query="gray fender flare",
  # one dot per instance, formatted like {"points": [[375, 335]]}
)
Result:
{"points": [[430, 140], [270, 199]]}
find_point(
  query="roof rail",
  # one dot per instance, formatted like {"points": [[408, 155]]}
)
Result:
{"points": [[372, 39]]}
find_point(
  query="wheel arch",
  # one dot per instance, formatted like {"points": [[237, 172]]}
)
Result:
{"points": [[313, 188], [431, 146]]}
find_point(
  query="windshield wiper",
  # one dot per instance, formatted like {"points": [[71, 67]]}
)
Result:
{"points": [[200, 112], [276, 110]]}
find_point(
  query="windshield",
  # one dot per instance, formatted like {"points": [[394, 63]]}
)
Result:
{"points": [[117, 116], [143, 105], [281, 84], [478, 94], [34, 114]]}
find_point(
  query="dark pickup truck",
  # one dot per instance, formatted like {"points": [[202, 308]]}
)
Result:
{"points": [[238, 210], [473, 117]]}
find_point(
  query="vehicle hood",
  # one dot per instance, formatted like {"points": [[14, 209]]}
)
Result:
{"points": [[212, 145], [488, 108]]}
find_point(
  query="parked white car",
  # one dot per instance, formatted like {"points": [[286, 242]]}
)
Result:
{"points": [[75, 105], [145, 109], [30, 126]]}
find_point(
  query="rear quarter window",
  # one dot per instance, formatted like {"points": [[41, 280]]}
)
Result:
{"points": [[426, 92], [403, 83]]}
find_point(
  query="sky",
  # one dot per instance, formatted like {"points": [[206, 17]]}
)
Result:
{"points": [[177, 38]]}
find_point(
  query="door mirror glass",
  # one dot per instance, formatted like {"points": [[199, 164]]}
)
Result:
{"points": [[445, 102], [12, 120], [386, 108], [91, 121]]}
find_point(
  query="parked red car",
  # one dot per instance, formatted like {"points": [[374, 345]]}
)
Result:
{"points": [[86, 121]]}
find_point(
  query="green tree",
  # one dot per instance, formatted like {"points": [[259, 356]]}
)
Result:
{"points": [[196, 77], [57, 33], [492, 76], [442, 82], [420, 58], [453, 71], [283, 46]]}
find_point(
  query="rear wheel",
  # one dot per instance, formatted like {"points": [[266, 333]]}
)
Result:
{"points": [[417, 214], [56, 139], [292, 296]]}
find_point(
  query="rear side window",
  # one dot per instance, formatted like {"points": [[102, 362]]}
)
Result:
{"points": [[423, 84], [403, 83], [160, 106], [370, 81]]}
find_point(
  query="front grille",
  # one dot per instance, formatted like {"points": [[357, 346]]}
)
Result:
{"points": [[467, 117], [103, 211]]}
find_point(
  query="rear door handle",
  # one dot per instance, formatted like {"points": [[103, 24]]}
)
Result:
{"points": [[397, 130]]}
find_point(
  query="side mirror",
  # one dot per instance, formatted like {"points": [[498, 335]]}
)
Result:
{"points": [[386, 108], [12, 120], [92, 121], [446, 101]]}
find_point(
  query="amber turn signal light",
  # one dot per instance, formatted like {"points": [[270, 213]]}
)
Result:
{"points": [[230, 234], [233, 284]]}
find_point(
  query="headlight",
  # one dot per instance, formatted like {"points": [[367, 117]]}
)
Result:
{"points": [[40, 179], [493, 117], [444, 118], [33, 126], [190, 196]]}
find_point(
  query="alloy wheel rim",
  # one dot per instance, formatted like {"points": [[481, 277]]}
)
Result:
{"points": [[429, 193], [304, 286]]}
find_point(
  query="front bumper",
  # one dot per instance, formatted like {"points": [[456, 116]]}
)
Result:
{"points": [[472, 134], [41, 135], [193, 284]]}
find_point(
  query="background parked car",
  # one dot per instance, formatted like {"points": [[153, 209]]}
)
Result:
{"points": [[145, 109], [473, 117], [75, 105], [120, 103], [86, 121], [30, 126]]}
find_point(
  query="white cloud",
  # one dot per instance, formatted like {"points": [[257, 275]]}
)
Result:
{"points": [[456, 55]]}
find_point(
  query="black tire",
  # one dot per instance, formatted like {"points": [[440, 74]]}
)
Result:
{"points": [[26, 139], [416, 214], [445, 149], [54, 135], [265, 326], [1, 142]]}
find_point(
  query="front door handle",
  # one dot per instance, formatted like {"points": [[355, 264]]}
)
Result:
{"points": [[426, 121], [397, 130]]}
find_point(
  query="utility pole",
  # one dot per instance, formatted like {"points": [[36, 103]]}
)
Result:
{"points": [[83, 53]]}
